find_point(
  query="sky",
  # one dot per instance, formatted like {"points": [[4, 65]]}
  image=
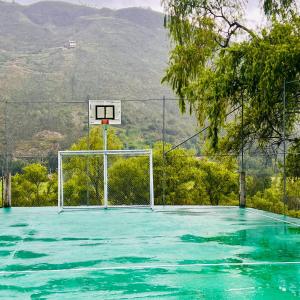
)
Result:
{"points": [[253, 11]]}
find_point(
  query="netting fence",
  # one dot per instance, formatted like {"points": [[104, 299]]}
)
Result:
{"points": [[32, 132]]}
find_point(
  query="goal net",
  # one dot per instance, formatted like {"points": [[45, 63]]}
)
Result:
{"points": [[111, 178]]}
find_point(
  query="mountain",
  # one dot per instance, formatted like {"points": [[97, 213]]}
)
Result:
{"points": [[112, 4], [119, 54]]}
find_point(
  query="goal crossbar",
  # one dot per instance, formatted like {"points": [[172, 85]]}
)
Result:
{"points": [[99, 152]]}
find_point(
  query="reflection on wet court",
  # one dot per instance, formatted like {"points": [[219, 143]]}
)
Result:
{"points": [[169, 253]]}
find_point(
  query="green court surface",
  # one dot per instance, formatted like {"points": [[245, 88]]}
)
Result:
{"points": [[169, 253]]}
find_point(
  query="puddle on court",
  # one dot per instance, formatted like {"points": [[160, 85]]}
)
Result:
{"points": [[28, 254], [19, 225], [5, 253], [10, 238], [181, 283]]}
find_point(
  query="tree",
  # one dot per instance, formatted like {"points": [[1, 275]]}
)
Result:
{"points": [[193, 181], [83, 182], [37, 175], [34, 187], [214, 69], [259, 173], [293, 161], [129, 181], [183, 178], [220, 182]]}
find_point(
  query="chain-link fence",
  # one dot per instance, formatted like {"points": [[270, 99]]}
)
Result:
{"points": [[82, 180], [190, 179], [129, 180], [106, 178], [184, 174]]}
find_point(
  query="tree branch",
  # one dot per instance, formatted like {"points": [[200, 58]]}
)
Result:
{"points": [[233, 26]]}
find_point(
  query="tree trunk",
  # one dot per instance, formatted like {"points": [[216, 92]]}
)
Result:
{"points": [[7, 190]]}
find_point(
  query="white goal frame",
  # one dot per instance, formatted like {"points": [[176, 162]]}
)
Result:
{"points": [[105, 153]]}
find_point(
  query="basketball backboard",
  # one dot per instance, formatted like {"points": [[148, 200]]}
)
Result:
{"points": [[100, 110]]}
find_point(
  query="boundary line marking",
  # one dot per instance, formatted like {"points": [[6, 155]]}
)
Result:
{"points": [[254, 211], [162, 266], [240, 289]]}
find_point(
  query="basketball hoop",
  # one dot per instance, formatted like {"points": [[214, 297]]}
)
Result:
{"points": [[104, 112], [105, 122]]}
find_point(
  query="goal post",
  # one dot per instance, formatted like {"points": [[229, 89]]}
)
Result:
{"points": [[105, 178]]}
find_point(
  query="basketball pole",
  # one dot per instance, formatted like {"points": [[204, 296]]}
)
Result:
{"points": [[105, 127]]}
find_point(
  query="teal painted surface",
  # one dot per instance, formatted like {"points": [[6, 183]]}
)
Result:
{"points": [[131, 254]]}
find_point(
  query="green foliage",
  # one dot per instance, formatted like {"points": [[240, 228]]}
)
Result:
{"points": [[193, 181], [34, 187], [84, 175], [256, 70], [185, 179], [95, 140], [129, 181], [219, 73], [271, 198], [282, 8], [36, 174], [260, 171], [221, 183], [293, 161], [293, 195]]}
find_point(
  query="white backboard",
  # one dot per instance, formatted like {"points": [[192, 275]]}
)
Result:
{"points": [[104, 110]]}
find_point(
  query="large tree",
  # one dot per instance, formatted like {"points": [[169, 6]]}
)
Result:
{"points": [[217, 64]]}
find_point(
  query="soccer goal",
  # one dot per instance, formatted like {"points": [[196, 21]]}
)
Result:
{"points": [[105, 178]]}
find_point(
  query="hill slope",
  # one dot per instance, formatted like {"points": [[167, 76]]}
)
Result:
{"points": [[113, 4], [119, 55]]}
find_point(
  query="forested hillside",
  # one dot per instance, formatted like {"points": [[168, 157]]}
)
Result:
{"points": [[119, 54]]}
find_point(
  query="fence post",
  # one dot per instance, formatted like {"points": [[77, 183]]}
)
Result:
{"points": [[7, 177], [284, 147], [151, 180], [242, 172], [164, 155], [7, 193], [88, 147], [242, 189], [105, 174], [2, 186]]}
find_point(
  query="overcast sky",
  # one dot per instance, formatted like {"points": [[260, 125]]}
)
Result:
{"points": [[253, 11]]}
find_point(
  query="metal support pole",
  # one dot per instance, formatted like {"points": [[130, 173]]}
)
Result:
{"points": [[242, 172], [242, 189], [88, 121], [2, 185], [59, 205], [7, 185], [62, 183], [284, 146], [88, 147], [164, 155], [151, 180], [105, 175]]}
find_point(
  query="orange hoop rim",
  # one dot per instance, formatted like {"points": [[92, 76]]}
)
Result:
{"points": [[105, 122]]}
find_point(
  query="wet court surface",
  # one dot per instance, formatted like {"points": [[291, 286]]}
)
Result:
{"points": [[195, 253]]}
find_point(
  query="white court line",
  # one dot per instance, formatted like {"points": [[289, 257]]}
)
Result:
{"points": [[163, 266], [240, 289], [254, 211]]}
